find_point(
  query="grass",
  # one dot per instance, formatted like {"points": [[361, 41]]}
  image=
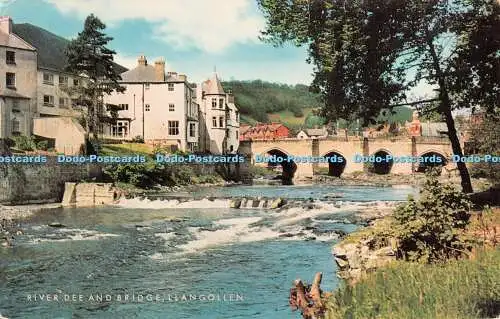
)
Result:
{"points": [[127, 149], [456, 289]]}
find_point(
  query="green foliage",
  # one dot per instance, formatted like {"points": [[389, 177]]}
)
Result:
{"points": [[457, 289], [25, 143], [89, 56], [368, 55], [42, 145], [429, 229], [138, 139], [151, 174], [486, 140]]}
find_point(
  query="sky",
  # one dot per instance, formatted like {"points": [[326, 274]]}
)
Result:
{"points": [[193, 36]]}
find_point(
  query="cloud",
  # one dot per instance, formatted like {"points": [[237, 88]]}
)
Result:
{"points": [[209, 25]]}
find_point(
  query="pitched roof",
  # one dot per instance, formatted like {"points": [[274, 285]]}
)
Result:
{"points": [[434, 129], [141, 73], [244, 128], [50, 47], [316, 131], [213, 86], [14, 41]]}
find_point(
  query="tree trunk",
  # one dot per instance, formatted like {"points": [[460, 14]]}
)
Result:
{"points": [[445, 109]]}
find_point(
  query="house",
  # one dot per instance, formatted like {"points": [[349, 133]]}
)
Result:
{"points": [[313, 133], [220, 118], [157, 106], [263, 131], [18, 82], [34, 97]]}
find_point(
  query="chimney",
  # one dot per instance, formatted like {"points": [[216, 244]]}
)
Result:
{"points": [[182, 77], [160, 70], [5, 24], [142, 60]]}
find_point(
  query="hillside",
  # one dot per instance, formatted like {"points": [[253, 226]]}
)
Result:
{"points": [[50, 47], [292, 105], [264, 101]]}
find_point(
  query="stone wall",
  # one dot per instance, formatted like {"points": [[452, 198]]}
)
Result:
{"points": [[41, 182]]}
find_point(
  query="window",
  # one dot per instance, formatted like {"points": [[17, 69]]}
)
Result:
{"points": [[76, 82], [10, 80], [10, 57], [48, 79], [237, 135], [48, 100], [16, 126], [63, 80], [123, 107], [173, 127], [170, 86], [221, 121], [214, 102], [148, 107], [171, 107], [63, 102], [146, 86], [192, 129], [237, 116], [15, 106], [214, 121], [120, 129], [221, 103]]}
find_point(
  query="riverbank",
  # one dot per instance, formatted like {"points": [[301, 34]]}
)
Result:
{"points": [[377, 284]]}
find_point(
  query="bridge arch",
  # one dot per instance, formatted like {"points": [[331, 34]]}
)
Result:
{"points": [[431, 158], [381, 164], [336, 168], [288, 167]]}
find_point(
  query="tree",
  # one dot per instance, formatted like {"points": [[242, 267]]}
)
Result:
{"points": [[485, 140], [90, 58], [369, 54]]}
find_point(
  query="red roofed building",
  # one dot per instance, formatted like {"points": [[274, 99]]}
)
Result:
{"points": [[263, 131]]}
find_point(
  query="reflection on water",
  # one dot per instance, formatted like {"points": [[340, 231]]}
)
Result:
{"points": [[254, 254]]}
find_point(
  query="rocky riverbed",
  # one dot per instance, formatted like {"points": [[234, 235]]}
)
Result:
{"points": [[11, 217]]}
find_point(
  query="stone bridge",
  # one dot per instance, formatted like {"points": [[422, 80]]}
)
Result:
{"points": [[381, 155]]}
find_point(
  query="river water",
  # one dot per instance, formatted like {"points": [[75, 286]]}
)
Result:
{"points": [[159, 259]]}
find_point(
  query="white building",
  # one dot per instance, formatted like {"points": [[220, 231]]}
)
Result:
{"points": [[220, 120], [313, 133], [158, 107], [18, 84]]}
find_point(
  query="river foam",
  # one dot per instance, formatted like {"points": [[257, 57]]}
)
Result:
{"points": [[146, 203]]}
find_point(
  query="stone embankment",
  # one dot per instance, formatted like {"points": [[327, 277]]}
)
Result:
{"points": [[361, 253], [89, 194]]}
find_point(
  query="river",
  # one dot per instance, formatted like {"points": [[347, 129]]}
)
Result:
{"points": [[203, 260]]}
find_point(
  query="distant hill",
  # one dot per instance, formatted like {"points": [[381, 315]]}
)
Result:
{"points": [[292, 105], [50, 47], [258, 99]]}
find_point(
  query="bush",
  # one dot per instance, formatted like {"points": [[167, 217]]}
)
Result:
{"points": [[42, 145], [430, 229], [25, 143], [138, 139]]}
